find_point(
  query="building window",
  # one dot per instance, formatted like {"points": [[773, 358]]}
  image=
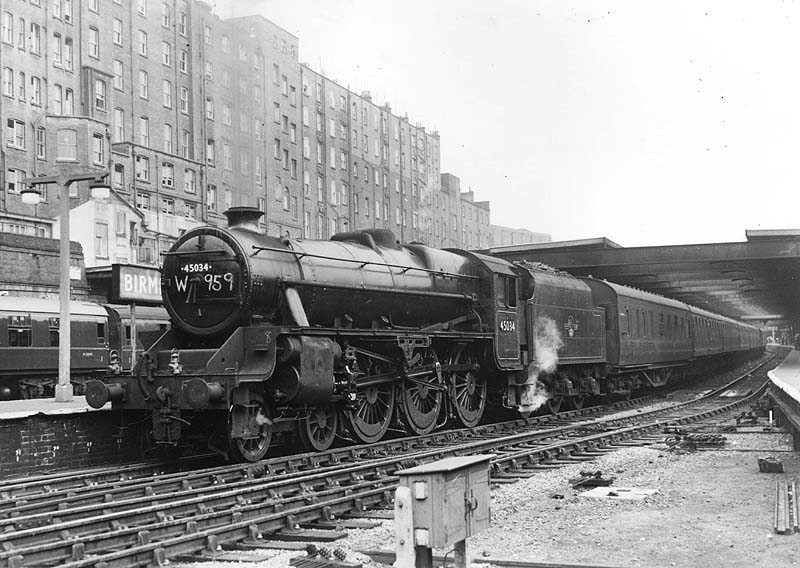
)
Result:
{"points": [[99, 94], [184, 100], [8, 28], [141, 7], [142, 42], [209, 71], [210, 152], [227, 157], [119, 79], [144, 84], [58, 51], [190, 210], [98, 150], [167, 131], [41, 143], [168, 205], [14, 181], [101, 240], [119, 125], [94, 42], [116, 31], [118, 177], [144, 131], [67, 144], [36, 89], [142, 200], [143, 171], [69, 103], [210, 109], [8, 81], [166, 53], [182, 23], [189, 181], [68, 54], [185, 144], [36, 39], [183, 59], [211, 197], [166, 93], [166, 15]]}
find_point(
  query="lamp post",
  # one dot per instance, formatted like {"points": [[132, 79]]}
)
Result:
{"points": [[32, 196]]}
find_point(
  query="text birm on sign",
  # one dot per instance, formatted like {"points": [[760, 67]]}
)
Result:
{"points": [[141, 284]]}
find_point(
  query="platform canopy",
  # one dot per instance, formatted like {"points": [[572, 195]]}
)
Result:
{"points": [[757, 280]]}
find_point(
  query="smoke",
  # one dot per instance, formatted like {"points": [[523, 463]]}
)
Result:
{"points": [[534, 400], [547, 342]]}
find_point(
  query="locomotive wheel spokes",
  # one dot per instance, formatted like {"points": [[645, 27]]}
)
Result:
{"points": [[467, 388], [374, 407], [421, 395], [253, 448], [318, 429]]}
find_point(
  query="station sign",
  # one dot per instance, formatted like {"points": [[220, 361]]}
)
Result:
{"points": [[131, 283]]}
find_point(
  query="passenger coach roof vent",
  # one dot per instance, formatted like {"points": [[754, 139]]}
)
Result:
{"points": [[244, 218]]}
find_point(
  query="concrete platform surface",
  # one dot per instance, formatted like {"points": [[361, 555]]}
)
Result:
{"points": [[16, 409], [786, 376]]}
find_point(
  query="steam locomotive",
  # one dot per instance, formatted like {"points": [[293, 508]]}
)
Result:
{"points": [[100, 338], [359, 334]]}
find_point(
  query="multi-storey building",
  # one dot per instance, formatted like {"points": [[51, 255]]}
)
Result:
{"points": [[193, 114], [469, 218], [506, 236]]}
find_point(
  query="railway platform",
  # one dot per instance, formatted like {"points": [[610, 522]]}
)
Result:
{"points": [[16, 409], [784, 392]]}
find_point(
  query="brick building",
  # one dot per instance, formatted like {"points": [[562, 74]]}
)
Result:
{"points": [[193, 114]]}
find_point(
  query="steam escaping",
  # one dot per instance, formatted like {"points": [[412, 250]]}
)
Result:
{"points": [[534, 398], [547, 342]]}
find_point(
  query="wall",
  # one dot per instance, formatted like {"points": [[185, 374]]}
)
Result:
{"points": [[41, 444]]}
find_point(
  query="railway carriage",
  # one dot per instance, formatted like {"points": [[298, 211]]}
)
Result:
{"points": [[99, 340], [355, 336], [648, 336]]}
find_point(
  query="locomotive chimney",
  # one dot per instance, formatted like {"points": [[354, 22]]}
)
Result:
{"points": [[244, 218]]}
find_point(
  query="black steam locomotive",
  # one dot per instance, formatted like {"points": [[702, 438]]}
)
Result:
{"points": [[359, 334]]}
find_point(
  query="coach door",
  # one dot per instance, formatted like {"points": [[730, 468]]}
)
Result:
{"points": [[507, 324]]}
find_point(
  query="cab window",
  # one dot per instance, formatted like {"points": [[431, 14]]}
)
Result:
{"points": [[506, 292]]}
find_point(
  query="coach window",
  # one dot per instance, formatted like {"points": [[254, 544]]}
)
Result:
{"points": [[627, 320], [101, 334], [53, 324], [19, 331]]}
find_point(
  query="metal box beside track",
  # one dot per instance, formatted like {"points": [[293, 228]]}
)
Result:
{"points": [[450, 499]]}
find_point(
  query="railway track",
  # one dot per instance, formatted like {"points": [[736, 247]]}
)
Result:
{"points": [[137, 519]]}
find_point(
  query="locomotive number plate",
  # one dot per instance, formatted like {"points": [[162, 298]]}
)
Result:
{"points": [[196, 267], [508, 325]]}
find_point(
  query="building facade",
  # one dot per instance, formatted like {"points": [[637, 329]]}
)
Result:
{"points": [[506, 236], [193, 114]]}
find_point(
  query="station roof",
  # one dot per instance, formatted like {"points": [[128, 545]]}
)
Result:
{"points": [[756, 281]]}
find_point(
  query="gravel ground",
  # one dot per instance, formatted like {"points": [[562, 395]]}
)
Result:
{"points": [[710, 508]]}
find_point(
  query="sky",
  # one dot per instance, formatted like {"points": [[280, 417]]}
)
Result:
{"points": [[646, 122]]}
